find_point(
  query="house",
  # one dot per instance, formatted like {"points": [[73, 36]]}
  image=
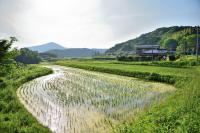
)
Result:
{"points": [[150, 50], [140, 49], [155, 52]]}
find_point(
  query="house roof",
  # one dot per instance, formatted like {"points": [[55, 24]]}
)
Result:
{"points": [[155, 51], [147, 46]]}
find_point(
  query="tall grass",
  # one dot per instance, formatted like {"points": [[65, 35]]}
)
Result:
{"points": [[179, 113], [14, 118]]}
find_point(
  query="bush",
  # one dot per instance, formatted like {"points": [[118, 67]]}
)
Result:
{"points": [[172, 57], [2, 106], [13, 116], [135, 58], [179, 64], [2, 83], [28, 57]]}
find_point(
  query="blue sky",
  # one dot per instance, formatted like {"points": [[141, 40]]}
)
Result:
{"points": [[91, 23]]}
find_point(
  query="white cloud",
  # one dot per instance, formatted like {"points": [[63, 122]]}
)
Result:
{"points": [[91, 23], [73, 23]]}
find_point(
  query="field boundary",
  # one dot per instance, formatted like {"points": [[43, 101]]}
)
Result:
{"points": [[136, 74]]}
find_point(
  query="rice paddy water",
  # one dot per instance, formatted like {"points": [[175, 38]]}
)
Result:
{"points": [[78, 101]]}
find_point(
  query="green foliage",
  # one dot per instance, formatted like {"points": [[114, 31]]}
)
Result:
{"points": [[168, 38], [28, 57], [179, 113], [5, 46], [12, 54], [172, 57], [181, 63], [170, 44], [168, 68], [187, 45], [163, 74], [47, 56], [2, 83], [14, 118], [134, 58]]}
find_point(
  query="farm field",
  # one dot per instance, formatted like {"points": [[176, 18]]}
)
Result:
{"points": [[75, 100], [178, 113], [174, 71], [99, 66]]}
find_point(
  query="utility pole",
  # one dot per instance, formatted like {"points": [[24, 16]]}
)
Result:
{"points": [[197, 45], [152, 52]]}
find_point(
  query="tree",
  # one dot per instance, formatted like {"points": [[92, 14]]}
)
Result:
{"points": [[47, 56], [170, 44], [5, 46], [191, 41], [180, 50], [182, 47], [28, 57]]}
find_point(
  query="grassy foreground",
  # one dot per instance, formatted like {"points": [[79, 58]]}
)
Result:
{"points": [[180, 112], [14, 118]]}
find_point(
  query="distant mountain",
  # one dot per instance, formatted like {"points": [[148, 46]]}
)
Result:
{"points": [[46, 47], [182, 37], [76, 52]]}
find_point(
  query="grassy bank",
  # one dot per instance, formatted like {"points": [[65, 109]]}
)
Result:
{"points": [[153, 73], [176, 64], [14, 118], [180, 112]]}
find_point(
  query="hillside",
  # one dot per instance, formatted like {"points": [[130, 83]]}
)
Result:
{"points": [[177, 38], [76, 52], [46, 47]]}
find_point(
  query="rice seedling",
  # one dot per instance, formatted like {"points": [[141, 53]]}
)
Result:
{"points": [[76, 101]]}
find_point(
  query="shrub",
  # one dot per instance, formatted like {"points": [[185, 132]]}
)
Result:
{"points": [[2, 83], [134, 58], [13, 117], [172, 57]]}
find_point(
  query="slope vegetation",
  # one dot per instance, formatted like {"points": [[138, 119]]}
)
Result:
{"points": [[182, 38], [14, 118]]}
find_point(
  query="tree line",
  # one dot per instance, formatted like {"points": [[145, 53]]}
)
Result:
{"points": [[23, 55]]}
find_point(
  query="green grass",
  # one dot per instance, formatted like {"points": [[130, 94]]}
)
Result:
{"points": [[175, 64], [187, 58], [14, 118], [180, 112], [141, 68], [152, 73]]}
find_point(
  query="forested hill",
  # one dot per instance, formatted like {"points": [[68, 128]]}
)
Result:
{"points": [[179, 38]]}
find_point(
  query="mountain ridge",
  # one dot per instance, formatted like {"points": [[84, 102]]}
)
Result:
{"points": [[156, 37], [46, 47]]}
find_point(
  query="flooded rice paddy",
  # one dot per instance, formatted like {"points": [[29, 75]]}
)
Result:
{"points": [[78, 101]]}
